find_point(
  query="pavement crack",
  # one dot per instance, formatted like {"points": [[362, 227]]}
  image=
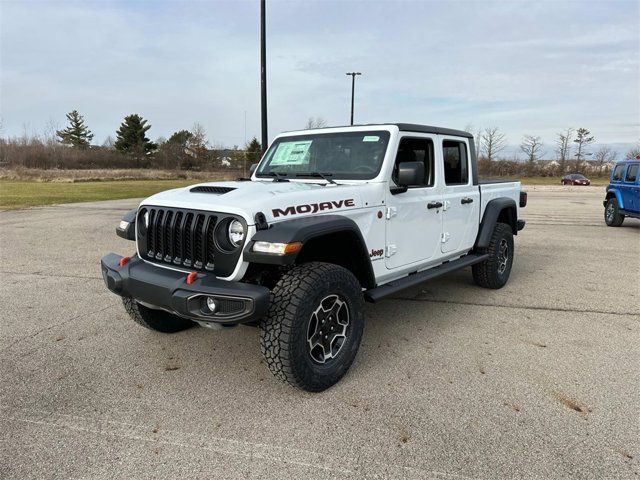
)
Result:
{"points": [[516, 307], [50, 327], [57, 275], [237, 447]]}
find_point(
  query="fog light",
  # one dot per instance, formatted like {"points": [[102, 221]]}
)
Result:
{"points": [[212, 305]]}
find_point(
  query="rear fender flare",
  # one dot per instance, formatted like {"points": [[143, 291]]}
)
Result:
{"points": [[504, 209]]}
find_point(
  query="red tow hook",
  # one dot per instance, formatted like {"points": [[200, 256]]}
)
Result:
{"points": [[191, 277], [123, 261]]}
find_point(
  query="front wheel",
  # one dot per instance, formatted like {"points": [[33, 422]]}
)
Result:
{"points": [[495, 270], [313, 329], [157, 320], [612, 215]]}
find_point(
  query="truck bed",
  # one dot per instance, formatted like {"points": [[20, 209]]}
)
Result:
{"points": [[490, 189]]}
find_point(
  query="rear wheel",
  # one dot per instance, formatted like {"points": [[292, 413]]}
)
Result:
{"points": [[495, 270], [312, 332], [612, 215], [157, 320]]}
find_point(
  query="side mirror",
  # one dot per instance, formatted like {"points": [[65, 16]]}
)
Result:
{"points": [[410, 174], [252, 168]]}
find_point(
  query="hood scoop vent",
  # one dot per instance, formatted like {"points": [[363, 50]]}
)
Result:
{"points": [[212, 189]]}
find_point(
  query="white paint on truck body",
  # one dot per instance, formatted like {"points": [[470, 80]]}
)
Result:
{"points": [[401, 226]]}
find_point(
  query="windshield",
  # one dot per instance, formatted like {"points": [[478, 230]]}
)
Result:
{"points": [[343, 155]]}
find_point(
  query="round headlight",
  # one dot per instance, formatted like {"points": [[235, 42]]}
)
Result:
{"points": [[236, 233]]}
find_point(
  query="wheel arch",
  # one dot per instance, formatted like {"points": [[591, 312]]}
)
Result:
{"points": [[326, 238], [498, 210], [615, 193]]}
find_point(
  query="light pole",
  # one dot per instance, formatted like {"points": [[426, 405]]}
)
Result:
{"points": [[263, 75], [353, 89]]}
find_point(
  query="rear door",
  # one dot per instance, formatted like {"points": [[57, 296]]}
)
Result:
{"points": [[629, 188], [460, 197], [414, 219]]}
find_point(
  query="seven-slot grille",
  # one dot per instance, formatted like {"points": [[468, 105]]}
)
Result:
{"points": [[180, 237]]}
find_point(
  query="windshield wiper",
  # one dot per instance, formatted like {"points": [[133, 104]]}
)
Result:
{"points": [[278, 176], [324, 176]]}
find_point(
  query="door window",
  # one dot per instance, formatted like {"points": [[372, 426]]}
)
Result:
{"points": [[456, 164], [632, 173], [618, 173], [416, 150]]}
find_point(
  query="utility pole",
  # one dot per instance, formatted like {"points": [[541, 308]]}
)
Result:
{"points": [[244, 157], [263, 75], [353, 90]]}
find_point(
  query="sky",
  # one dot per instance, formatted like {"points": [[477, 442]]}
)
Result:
{"points": [[526, 67]]}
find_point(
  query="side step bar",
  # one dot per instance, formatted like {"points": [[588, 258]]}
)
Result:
{"points": [[374, 294]]}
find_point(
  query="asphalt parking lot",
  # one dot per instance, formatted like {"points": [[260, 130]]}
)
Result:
{"points": [[537, 380]]}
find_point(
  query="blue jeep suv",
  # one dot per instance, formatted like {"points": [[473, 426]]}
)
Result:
{"points": [[623, 193]]}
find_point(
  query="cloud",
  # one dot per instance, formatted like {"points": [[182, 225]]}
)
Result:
{"points": [[528, 67]]}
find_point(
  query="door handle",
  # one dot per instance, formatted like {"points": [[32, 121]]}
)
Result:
{"points": [[466, 200], [434, 205]]}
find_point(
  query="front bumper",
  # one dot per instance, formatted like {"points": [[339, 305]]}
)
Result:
{"points": [[168, 290]]}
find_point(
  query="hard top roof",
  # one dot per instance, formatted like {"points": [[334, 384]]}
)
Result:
{"points": [[406, 127]]}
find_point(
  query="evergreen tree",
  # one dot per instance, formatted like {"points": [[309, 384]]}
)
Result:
{"points": [[131, 138], [76, 134], [253, 151], [172, 153], [583, 139], [180, 138]]}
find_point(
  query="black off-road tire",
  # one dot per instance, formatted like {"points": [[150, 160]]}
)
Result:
{"points": [[285, 331], [612, 215], [494, 271], [157, 320]]}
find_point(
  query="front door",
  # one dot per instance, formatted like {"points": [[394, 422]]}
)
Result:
{"points": [[414, 217], [461, 198]]}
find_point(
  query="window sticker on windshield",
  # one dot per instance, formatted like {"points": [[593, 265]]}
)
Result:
{"points": [[291, 153], [371, 138]]}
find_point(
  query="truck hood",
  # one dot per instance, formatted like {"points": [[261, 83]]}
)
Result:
{"points": [[277, 200]]}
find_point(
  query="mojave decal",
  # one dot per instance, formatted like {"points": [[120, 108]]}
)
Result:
{"points": [[313, 207]]}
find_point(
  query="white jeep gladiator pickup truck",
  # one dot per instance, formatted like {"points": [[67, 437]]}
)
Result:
{"points": [[330, 218]]}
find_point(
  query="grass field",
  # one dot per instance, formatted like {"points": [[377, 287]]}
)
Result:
{"points": [[19, 194], [596, 181]]}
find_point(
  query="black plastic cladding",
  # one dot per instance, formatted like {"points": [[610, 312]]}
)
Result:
{"points": [[185, 238]]}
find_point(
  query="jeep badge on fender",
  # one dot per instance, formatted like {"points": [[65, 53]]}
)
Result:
{"points": [[330, 219]]}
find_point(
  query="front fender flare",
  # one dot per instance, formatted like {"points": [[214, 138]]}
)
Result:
{"points": [[618, 196], [303, 230]]}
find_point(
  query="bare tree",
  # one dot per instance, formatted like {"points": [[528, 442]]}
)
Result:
{"points": [[563, 148], [197, 145], [633, 153], [315, 122], [109, 142], [492, 142], [583, 140], [532, 147], [477, 136], [603, 156]]}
